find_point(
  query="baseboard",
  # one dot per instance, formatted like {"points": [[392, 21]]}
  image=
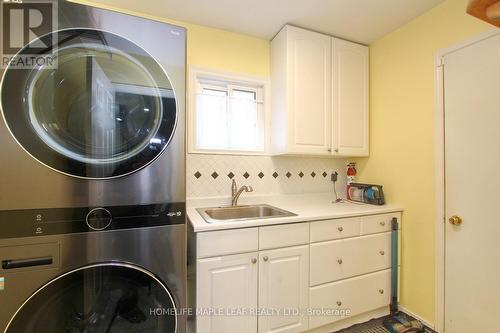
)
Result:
{"points": [[425, 322]]}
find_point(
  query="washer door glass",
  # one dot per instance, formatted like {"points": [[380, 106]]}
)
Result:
{"points": [[103, 108], [108, 298]]}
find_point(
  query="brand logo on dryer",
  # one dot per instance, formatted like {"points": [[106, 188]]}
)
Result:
{"points": [[27, 27], [171, 214]]}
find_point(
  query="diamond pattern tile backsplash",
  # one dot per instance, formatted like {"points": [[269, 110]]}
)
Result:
{"points": [[211, 175]]}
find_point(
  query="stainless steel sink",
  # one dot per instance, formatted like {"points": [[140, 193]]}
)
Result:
{"points": [[241, 213]]}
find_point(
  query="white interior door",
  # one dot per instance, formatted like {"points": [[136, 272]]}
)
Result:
{"points": [[472, 190]]}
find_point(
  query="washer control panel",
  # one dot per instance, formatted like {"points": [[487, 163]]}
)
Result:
{"points": [[56, 221], [98, 219]]}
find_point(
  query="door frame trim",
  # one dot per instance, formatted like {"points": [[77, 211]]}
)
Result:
{"points": [[440, 218]]}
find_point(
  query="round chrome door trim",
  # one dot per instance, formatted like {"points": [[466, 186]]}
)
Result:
{"points": [[93, 210], [117, 264], [83, 177], [64, 151]]}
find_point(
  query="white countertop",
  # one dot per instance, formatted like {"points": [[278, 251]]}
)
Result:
{"points": [[308, 207]]}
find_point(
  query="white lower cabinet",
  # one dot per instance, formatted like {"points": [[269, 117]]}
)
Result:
{"points": [[295, 277], [341, 259], [227, 283], [350, 297], [283, 289]]}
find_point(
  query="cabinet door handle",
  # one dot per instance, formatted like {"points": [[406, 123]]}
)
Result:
{"points": [[381, 291], [382, 223], [266, 258], [340, 229], [329, 150], [254, 260], [339, 303], [382, 253], [340, 261], [336, 150]]}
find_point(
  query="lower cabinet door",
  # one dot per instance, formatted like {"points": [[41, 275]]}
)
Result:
{"points": [[227, 294], [343, 299], [283, 290]]}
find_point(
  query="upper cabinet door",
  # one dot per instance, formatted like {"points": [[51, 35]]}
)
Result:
{"points": [[301, 86], [310, 96], [350, 85]]}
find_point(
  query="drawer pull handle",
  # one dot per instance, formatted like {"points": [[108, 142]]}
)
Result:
{"points": [[266, 258], [382, 253], [381, 291], [339, 303], [382, 223], [340, 261], [22, 263], [254, 260], [340, 229]]}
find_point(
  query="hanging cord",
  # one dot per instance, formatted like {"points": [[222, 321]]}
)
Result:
{"points": [[334, 180], [337, 199]]}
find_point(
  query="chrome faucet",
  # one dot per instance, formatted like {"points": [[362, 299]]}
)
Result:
{"points": [[237, 192]]}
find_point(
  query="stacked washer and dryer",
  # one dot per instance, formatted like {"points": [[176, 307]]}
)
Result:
{"points": [[92, 179]]}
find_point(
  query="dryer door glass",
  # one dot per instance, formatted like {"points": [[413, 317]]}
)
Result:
{"points": [[105, 298], [103, 108]]}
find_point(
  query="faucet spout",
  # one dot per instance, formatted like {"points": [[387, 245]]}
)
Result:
{"points": [[236, 193]]}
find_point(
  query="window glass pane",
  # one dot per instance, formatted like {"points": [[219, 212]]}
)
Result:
{"points": [[243, 123], [242, 94], [214, 92], [211, 121], [228, 119]]}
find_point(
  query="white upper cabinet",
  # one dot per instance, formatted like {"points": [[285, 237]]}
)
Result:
{"points": [[319, 95], [301, 92], [350, 98]]}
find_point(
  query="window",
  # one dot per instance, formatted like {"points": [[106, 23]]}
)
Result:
{"points": [[227, 114]]}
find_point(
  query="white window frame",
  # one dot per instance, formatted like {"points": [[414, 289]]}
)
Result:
{"points": [[200, 78]]}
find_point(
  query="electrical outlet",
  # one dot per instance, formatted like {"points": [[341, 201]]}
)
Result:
{"points": [[334, 176]]}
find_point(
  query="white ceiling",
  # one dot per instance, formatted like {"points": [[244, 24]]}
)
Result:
{"points": [[362, 21]]}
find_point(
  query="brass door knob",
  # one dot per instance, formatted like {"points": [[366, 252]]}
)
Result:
{"points": [[266, 258], [339, 303], [340, 229], [254, 260], [340, 261], [455, 220]]}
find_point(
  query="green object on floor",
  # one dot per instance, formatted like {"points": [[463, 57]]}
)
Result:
{"points": [[398, 322]]}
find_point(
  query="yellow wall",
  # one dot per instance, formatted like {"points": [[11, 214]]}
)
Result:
{"points": [[214, 48], [402, 135]]}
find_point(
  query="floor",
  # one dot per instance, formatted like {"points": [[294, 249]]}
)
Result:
{"points": [[373, 326]]}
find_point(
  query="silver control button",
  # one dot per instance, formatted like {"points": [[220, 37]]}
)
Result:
{"points": [[98, 219]]}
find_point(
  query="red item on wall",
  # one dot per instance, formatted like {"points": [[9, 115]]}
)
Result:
{"points": [[351, 176]]}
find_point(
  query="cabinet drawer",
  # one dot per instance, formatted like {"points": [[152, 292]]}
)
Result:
{"points": [[340, 259], [378, 223], [216, 243], [360, 294], [335, 229], [283, 235]]}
